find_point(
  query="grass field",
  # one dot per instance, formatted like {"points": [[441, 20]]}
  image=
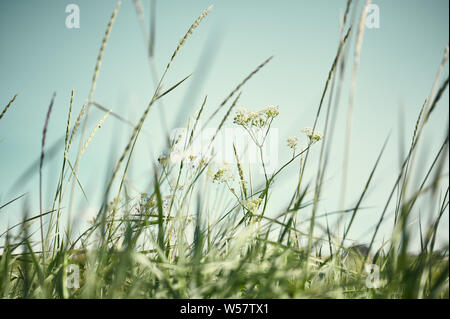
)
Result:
{"points": [[164, 244]]}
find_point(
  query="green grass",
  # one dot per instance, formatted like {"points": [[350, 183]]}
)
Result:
{"points": [[154, 246]]}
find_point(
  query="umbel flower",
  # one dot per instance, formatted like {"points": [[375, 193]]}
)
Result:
{"points": [[256, 123], [222, 175], [313, 136], [292, 142], [257, 119]]}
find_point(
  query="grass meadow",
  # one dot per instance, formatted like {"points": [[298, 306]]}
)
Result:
{"points": [[164, 243]]}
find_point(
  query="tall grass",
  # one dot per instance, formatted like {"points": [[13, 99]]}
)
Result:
{"points": [[166, 244]]}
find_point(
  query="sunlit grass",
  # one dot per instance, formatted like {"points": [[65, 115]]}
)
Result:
{"points": [[164, 243]]}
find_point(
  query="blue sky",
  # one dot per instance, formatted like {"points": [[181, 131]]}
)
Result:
{"points": [[40, 56]]}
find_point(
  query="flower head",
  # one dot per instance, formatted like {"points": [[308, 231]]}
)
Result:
{"points": [[241, 117], [313, 136], [257, 119], [271, 111], [292, 142], [222, 175]]}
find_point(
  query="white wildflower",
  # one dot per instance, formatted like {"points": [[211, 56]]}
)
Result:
{"points": [[292, 142], [257, 119], [313, 136], [272, 111], [222, 175], [241, 117]]}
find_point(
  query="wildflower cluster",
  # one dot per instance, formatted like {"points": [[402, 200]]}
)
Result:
{"points": [[197, 160], [194, 158], [222, 175], [292, 142], [256, 123], [312, 135], [257, 119]]}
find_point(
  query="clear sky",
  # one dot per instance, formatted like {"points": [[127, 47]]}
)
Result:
{"points": [[39, 56]]}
